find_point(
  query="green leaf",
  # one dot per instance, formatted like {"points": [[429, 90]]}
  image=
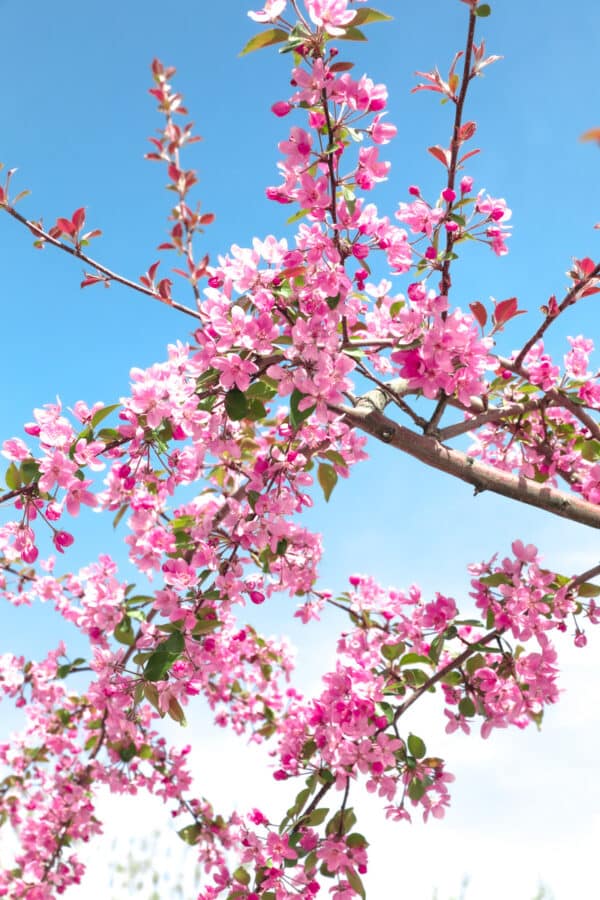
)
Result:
{"points": [[256, 410], [241, 875], [466, 708], [355, 883], [342, 822], [414, 658], [327, 479], [103, 413], [483, 11], [298, 416], [13, 477], [588, 590], [161, 659], [236, 405], [261, 390], [126, 752], [495, 579], [590, 450], [265, 39], [190, 834], [108, 435], [416, 789], [352, 34], [317, 817], [120, 514], [124, 632], [368, 16], [296, 217], [416, 746], [356, 840], [176, 712], [30, 470], [392, 651], [333, 302], [475, 662], [151, 695]]}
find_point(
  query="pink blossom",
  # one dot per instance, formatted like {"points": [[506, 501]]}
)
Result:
{"points": [[332, 15], [270, 11]]}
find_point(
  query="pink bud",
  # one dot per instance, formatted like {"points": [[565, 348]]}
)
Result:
{"points": [[431, 253], [30, 554], [257, 597], [466, 184], [281, 108], [360, 251], [53, 512], [62, 539], [449, 195], [414, 190]]}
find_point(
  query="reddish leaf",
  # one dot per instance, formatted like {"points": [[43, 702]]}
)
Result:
{"points": [[479, 311], [467, 131], [64, 226], [91, 234], [589, 291], [92, 279], [504, 311], [586, 265], [163, 288], [440, 154], [592, 135], [341, 67], [78, 218], [292, 272], [468, 155], [174, 173]]}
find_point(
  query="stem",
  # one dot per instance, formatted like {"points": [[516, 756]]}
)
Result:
{"points": [[446, 281], [453, 664], [570, 299], [98, 267], [583, 578]]}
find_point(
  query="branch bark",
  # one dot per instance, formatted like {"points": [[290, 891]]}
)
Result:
{"points": [[481, 476]]}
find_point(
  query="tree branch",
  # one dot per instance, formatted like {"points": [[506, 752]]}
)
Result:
{"points": [[111, 276], [481, 476]]}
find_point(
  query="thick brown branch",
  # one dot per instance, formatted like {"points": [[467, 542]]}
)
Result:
{"points": [[481, 476]]}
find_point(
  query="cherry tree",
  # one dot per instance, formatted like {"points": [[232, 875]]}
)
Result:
{"points": [[300, 349]]}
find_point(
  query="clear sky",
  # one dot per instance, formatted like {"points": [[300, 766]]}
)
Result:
{"points": [[76, 115]]}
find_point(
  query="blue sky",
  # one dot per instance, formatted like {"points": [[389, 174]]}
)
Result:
{"points": [[76, 115]]}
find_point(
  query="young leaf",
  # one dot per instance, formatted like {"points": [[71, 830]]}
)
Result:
{"points": [[298, 416], [327, 479], [236, 405], [265, 39], [367, 16]]}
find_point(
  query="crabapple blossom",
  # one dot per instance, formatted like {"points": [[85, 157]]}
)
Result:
{"points": [[301, 346]]}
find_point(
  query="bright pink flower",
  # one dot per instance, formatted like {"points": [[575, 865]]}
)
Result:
{"points": [[332, 15]]}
